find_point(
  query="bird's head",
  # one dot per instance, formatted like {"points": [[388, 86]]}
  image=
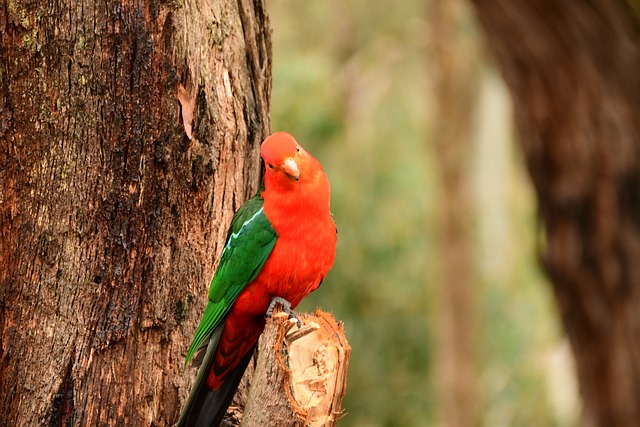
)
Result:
{"points": [[285, 160], [293, 173]]}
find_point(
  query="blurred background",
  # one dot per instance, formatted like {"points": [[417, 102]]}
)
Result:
{"points": [[436, 277]]}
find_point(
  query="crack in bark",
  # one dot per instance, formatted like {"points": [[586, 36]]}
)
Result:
{"points": [[62, 407]]}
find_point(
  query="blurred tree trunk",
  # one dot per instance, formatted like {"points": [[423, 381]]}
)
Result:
{"points": [[129, 134], [573, 69], [456, 88]]}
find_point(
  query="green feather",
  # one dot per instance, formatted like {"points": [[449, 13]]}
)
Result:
{"points": [[250, 240]]}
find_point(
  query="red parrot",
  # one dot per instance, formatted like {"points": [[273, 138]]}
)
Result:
{"points": [[279, 247]]}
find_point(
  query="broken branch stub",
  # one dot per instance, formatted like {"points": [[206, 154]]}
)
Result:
{"points": [[300, 374]]}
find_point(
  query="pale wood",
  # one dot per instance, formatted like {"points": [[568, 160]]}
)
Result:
{"points": [[299, 377]]}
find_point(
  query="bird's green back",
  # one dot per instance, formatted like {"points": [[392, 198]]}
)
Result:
{"points": [[250, 240]]}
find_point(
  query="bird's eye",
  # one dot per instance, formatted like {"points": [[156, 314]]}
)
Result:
{"points": [[298, 149], [270, 166]]}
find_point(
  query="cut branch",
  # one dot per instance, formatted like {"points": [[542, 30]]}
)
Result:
{"points": [[299, 377]]}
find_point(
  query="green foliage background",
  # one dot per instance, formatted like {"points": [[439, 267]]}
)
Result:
{"points": [[352, 82]]}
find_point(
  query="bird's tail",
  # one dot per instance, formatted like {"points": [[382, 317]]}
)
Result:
{"points": [[204, 407]]}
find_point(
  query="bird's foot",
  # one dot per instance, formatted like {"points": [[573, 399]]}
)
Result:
{"points": [[286, 308]]}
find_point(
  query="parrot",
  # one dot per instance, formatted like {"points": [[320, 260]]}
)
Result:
{"points": [[279, 247]]}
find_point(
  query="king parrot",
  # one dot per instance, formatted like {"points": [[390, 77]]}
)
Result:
{"points": [[279, 247]]}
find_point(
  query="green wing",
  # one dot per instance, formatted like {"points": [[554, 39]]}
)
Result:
{"points": [[250, 240]]}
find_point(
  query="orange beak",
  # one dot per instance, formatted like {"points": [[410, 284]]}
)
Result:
{"points": [[290, 167]]}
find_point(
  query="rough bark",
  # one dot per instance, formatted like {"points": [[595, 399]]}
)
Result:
{"points": [[129, 134], [455, 84], [299, 376], [572, 69]]}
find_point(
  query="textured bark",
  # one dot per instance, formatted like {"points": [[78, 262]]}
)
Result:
{"points": [[572, 69], [455, 54], [129, 134], [299, 376]]}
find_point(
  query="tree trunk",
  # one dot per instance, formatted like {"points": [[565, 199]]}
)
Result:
{"points": [[572, 68], [455, 89], [129, 134]]}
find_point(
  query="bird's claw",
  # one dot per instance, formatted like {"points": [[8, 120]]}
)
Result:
{"points": [[286, 308]]}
